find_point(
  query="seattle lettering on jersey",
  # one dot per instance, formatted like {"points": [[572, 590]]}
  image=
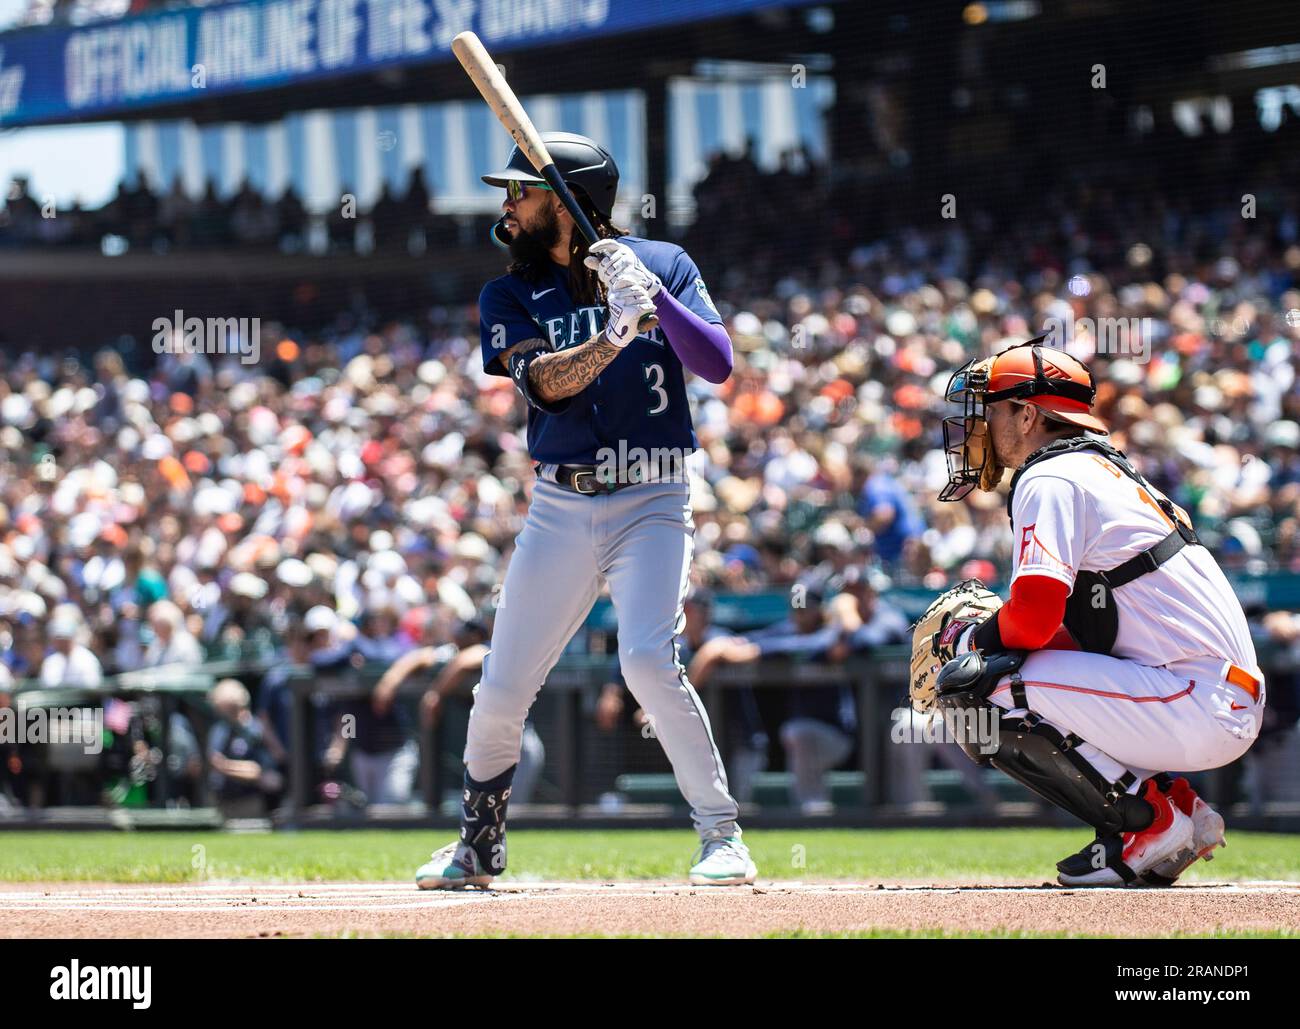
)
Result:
{"points": [[638, 401], [579, 326]]}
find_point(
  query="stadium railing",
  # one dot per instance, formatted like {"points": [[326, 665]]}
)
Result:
{"points": [[579, 781]]}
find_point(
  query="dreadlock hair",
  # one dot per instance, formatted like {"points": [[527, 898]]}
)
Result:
{"points": [[584, 284]]}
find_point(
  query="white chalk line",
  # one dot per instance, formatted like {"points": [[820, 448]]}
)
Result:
{"points": [[206, 898]]}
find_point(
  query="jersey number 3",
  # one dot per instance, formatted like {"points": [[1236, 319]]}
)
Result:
{"points": [[654, 378]]}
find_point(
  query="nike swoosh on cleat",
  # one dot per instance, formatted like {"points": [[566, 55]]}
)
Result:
{"points": [[1240, 707]]}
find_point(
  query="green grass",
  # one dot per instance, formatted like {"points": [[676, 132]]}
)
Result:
{"points": [[537, 854]]}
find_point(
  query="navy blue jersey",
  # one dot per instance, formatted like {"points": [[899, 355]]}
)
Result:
{"points": [[638, 401]]}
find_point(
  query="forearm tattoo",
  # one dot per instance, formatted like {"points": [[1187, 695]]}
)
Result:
{"points": [[565, 373]]}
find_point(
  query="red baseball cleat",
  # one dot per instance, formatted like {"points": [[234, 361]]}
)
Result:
{"points": [[1127, 859], [1207, 834]]}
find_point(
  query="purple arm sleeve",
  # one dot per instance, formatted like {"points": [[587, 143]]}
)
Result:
{"points": [[703, 347]]}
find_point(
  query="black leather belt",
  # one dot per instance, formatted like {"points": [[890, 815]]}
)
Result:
{"points": [[586, 479]]}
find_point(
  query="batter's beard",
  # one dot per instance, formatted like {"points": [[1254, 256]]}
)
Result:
{"points": [[533, 247]]}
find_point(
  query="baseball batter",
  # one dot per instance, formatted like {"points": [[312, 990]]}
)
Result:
{"points": [[609, 428], [1122, 655]]}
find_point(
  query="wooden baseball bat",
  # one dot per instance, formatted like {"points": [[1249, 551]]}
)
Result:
{"points": [[487, 77]]}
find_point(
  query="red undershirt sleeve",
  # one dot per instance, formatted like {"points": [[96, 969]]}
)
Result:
{"points": [[1031, 619]]}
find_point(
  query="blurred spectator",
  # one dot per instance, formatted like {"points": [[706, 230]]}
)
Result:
{"points": [[461, 661], [239, 613], [383, 757], [291, 216], [375, 737], [388, 218], [341, 223], [274, 696], [378, 639], [818, 733], [865, 620], [209, 227], [175, 215], [417, 206], [310, 644], [139, 213], [184, 759], [173, 643], [747, 739], [69, 663], [890, 514], [22, 212], [244, 760]]}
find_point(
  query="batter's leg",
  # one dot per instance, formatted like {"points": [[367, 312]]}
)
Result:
{"points": [[646, 533], [550, 586]]}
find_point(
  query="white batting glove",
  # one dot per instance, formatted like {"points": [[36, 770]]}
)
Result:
{"points": [[628, 304], [612, 260]]}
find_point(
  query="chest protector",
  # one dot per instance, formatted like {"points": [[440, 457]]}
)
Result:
{"points": [[1091, 615]]}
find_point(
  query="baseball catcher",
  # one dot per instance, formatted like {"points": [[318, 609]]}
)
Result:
{"points": [[565, 324], [1122, 655]]}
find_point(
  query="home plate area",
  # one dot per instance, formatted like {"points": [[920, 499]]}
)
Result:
{"points": [[214, 909]]}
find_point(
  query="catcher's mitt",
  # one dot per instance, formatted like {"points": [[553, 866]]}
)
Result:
{"points": [[935, 634]]}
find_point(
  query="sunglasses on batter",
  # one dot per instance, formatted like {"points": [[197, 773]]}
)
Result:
{"points": [[517, 190]]}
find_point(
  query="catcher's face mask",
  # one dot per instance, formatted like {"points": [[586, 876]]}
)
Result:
{"points": [[966, 441]]}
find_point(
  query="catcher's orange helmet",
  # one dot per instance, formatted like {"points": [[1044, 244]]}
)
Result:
{"points": [[1048, 378], [1030, 373]]}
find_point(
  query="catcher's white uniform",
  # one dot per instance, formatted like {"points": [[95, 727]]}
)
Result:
{"points": [[1182, 690]]}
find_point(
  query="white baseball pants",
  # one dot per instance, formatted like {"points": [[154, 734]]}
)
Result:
{"points": [[1179, 718], [639, 541]]}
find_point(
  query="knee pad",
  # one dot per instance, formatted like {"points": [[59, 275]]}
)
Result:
{"points": [[961, 688], [970, 677], [483, 818]]}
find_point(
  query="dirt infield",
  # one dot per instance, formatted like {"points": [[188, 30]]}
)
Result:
{"points": [[259, 910]]}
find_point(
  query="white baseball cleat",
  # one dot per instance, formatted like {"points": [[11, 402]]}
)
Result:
{"points": [[723, 861], [453, 867], [1125, 859], [1207, 834]]}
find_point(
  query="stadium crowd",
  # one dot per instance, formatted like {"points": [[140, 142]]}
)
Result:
{"points": [[355, 495], [139, 217]]}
